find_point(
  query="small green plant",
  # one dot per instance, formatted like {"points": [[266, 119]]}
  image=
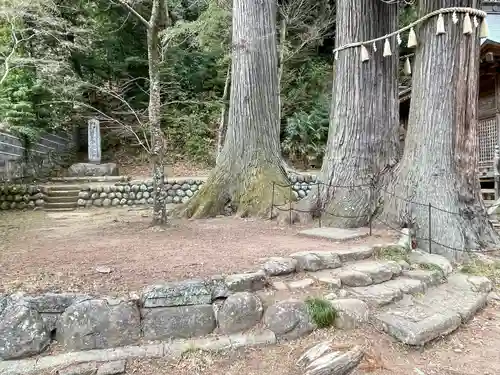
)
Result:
{"points": [[478, 267], [392, 252], [430, 267], [321, 312]]}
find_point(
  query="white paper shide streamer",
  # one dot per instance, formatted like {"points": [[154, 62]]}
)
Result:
{"points": [[440, 25], [467, 25], [407, 67], [472, 20], [387, 48], [365, 56], [412, 39]]}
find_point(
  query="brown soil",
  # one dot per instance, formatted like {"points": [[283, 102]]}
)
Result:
{"points": [[472, 350], [52, 251], [143, 170]]}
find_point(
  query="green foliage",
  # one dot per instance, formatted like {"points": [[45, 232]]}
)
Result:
{"points": [[305, 135], [306, 101], [392, 252], [490, 269], [24, 105], [91, 48], [321, 311]]}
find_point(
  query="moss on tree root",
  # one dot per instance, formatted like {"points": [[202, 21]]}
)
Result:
{"points": [[250, 194]]}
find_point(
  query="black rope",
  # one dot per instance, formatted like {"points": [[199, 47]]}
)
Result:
{"points": [[289, 209], [407, 200]]}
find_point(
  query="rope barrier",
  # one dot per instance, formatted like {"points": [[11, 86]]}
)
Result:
{"points": [[370, 217], [472, 11]]}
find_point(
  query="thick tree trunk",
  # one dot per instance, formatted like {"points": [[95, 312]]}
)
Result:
{"points": [[440, 161], [363, 134], [250, 160], [154, 112], [221, 133], [281, 63]]}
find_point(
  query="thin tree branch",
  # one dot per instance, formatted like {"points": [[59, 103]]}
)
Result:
{"points": [[135, 13], [16, 43]]}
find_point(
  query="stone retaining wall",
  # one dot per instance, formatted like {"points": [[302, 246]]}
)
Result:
{"points": [[174, 310], [20, 197], [224, 305], [129, 193]]}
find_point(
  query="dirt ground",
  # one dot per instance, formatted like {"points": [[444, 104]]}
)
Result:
{"points": [[44, 251], [62, 251], [471, 350]]}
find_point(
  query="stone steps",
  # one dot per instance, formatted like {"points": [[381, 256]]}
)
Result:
{"points": [[336, 234], [415, 301], [60, 205], [416, 320], [66, 198], [59, 209], [61, 197], [87, 179], [57, 188]]}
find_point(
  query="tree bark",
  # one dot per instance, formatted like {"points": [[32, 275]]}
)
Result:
{"points": [[154, 112], [364, 120], [221, 133], [281, 62], [439, 164], [250, 160]]}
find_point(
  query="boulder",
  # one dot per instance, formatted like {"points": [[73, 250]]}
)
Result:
{"points": [[240, 312], [177, 293], [98, 324], [316, 260], [22, 330], [378, 272], [351, 313], [289, 319], [89, 169], [326, 359], [276, 266], [423, 258], [354, 278], [246, 282], [112, 367], [178, 322], [327, 278], [480, 284], [55, 302]]}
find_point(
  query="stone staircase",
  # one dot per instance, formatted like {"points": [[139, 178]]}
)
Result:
{"points": [[62, 194], [61, 197], [416, 298]]}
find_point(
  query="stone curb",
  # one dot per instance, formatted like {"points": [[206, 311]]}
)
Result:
{"points": [[168, 350]]}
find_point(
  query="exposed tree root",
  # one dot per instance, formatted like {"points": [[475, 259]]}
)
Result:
{"points": [[458, 227], [250, 193]]}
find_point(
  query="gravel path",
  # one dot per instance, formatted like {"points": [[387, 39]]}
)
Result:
{"points": [[49, 251]]}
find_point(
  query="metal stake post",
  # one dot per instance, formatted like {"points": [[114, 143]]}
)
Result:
{"points": [[317, 184], [430, 228], [272, 204]]}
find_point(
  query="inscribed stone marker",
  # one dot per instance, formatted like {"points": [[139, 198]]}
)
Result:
{"points": [[94, 141]]}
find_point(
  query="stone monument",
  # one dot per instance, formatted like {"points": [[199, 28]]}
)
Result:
{"points": [[94, 166], [94, 141]]}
